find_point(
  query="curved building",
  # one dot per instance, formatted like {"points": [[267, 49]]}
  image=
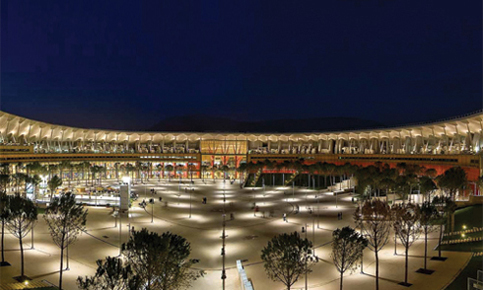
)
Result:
{"points": [[442, 144]]}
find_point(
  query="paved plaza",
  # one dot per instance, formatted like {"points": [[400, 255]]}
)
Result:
{"points": [[247, 233]]}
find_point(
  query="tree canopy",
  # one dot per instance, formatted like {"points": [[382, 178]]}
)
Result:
{"points": [[286, 257]]}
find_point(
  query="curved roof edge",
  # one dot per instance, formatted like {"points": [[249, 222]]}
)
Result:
{"points": [[472, 122]]}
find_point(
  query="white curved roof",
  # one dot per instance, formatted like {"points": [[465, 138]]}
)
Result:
{"points": [[31, 130]]}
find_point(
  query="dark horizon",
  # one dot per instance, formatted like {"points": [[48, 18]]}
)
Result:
{"points": [[124, 65]]}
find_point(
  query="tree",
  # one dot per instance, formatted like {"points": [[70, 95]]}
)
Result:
{"points": [[5, 179], [286, 257], [429, 215], [65, 164], [445, 206], [53, 184], [453, 180], [34, 181], [111, 274], [169, 168], [406, 218], [374, 218], [66, 221], [94, 170], [4, 217], [347, 247], [23, 215], [427, 186], [161, 261]]}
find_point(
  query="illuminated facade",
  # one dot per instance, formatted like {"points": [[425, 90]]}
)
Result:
{"points": [[453, 142]]}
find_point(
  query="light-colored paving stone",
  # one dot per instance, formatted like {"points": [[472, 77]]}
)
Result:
{"points": [[247, 235]]}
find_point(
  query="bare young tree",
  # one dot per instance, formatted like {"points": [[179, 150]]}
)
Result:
{"points": [[406, 224], [66, 221], [347, 247], [22, 217], [4, 216], [445, 207], [374, 218], [286, 257], [429, 216]]}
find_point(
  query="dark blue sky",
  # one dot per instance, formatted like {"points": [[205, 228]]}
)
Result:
{"points": [[129, 64]]}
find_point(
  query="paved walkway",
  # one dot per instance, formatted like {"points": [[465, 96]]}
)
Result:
{"points": [[247, 235]]}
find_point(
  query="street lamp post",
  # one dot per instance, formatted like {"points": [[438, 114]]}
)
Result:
{"points": [[120, 230], [318, 218], [313, 232], [336, 199], [304, 230], [223, 273], [32, 247], [190, 201], [67, 265], [152, 210]]}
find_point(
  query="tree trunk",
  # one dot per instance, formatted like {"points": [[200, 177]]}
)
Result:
{"points": [[21, 255], [440, 238], [341, 277], [61, 264], [406, 266], [425, 245], [377, 269], [3, 239], [452, 222]]}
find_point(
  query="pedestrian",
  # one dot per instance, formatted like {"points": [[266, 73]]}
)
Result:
{"points": [[340, 215], [284, 217]]}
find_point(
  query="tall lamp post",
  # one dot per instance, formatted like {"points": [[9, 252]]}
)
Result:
{"points": [[192, 189], [304, 230], [152, 209], [223, 273]]}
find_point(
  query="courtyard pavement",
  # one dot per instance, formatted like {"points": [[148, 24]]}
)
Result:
{"points": [[247, 234]]}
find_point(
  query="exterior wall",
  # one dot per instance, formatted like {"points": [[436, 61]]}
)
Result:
{"points": [[455, 142]]}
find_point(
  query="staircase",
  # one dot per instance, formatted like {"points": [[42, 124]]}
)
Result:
{"points": [[256, 177], [292, 178]]}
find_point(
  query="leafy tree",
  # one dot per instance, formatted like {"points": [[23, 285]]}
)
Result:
{"points": [[94, 170], [35, 181], [23, 215], [374, 218], [286, 257], [4, 181], [429, 215], [111, 274], [347, 247], [54, 183], [66, 221], [453, 180], [160, 261], [169, 168], [427, 186], [406, 219], [4, 216]]}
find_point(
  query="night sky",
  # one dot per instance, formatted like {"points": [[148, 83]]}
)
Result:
{"points": [[129, 64]]}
